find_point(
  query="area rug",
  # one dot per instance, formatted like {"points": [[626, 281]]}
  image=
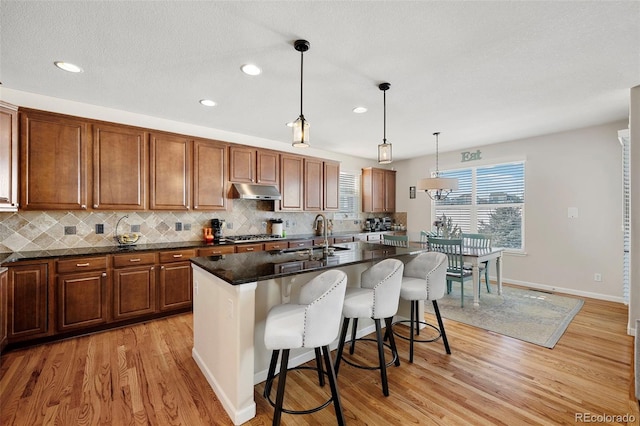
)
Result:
{"points": [[533, 316]]}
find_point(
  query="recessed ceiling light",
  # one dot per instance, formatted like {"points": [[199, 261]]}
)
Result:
{"points": [[207, 102], [251, 69], [360, 110], [67, 66]]}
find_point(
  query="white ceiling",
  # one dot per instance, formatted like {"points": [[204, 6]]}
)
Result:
{"points": [[479, 72]]}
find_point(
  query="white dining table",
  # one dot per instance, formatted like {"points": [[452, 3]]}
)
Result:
{"points": [[475, 256]]}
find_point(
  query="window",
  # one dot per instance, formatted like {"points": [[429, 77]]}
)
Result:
{"points": [[489, 200], [349, 195]]}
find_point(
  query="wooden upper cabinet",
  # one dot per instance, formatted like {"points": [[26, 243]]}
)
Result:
{"points": [[291, 182], [313, 184], [378, 190], [170, 171], [242, 164], [8, 157], [209, 175], [331, 186], [267, 167], [54, 155], [120, 158], [389, 190], [251, 165]]}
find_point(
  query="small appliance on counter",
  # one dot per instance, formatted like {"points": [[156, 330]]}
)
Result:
{"points": [[386, 224], [372, 224], [216, 228], [277, 227]]}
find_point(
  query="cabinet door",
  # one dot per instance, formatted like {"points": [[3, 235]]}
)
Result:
{"points": [[27, 310], [134, 292], [331, 200], [209, 171], [267, 167], [170, 172], [119, 168], [81, 300], [8, 158], [242, 164], [389, 191], [313, 184], [373, 190], [291, 176], [4, 283], [53, 162], [175, 286]]}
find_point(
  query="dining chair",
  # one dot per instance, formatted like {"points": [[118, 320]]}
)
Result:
{"points": [[424, 236], [479, 241], [395, 240], [455, 268]]}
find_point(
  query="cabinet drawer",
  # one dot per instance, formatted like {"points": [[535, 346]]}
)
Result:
{"points": [[133, 259], [82, 264], [338, 240], [176, 255], [248, 248], [300, 243], [279, 245], [216, 251]]}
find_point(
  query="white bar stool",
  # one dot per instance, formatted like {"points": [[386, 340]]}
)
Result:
{"points": [[376, 298], [425, 278], [311, 323]]}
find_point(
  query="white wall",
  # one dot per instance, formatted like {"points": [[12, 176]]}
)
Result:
{"points": [[579, 168]]}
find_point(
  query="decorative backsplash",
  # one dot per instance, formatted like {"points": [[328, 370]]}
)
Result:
{"points": [[52, 230]]}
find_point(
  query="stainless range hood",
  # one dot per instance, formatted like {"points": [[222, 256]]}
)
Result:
{"points": [[249, 191]]}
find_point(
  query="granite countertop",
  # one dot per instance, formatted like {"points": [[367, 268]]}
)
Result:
{"points": [[7, 258], [242, 268]]}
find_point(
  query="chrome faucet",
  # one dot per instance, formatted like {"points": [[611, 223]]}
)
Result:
{"points": [[325, 243]]}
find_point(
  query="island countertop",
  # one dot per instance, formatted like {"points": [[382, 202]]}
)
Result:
{"points": [[242, 268]]}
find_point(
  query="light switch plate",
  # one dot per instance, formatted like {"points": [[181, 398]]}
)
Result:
{"points": [[572, 212]]}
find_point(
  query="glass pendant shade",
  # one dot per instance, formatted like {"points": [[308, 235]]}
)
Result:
{"points": [[384, 153], [301, 133]]}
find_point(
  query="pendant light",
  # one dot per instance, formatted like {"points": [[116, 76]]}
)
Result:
{"points": [[436, 187], [301, 126], [384, 149]]}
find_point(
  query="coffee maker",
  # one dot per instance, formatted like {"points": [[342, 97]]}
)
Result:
{"points": [[372, 224], [216, 226]]}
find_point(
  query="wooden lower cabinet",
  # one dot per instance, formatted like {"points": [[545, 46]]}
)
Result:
{"points": [[81, 300], [175, 280], [134, 285], [81, 293], [4, 283], [27, 302]]}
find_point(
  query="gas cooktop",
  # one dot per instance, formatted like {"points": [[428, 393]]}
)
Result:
{"points": [[251, 238]]}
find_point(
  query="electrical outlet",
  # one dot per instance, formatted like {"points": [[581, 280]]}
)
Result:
{"points": [[187, 227], [286, 223], [597, 277], [135, 228], [99, 228], [229, 225], [178, 226], [69, 230]]}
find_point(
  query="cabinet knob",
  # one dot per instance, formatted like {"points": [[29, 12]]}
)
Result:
{"points": [[249, 248], [83, 207], [80, 265], [104, 274], [152, 268], [95, 206], [177, 255]]}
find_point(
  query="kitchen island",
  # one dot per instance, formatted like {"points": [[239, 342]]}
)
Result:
{"points": [[231, 298]]}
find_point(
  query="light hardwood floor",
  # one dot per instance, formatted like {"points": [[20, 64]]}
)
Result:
{"points": [[144, 374]]}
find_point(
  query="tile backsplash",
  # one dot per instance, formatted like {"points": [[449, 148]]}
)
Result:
{"points": [[51, 230]]}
